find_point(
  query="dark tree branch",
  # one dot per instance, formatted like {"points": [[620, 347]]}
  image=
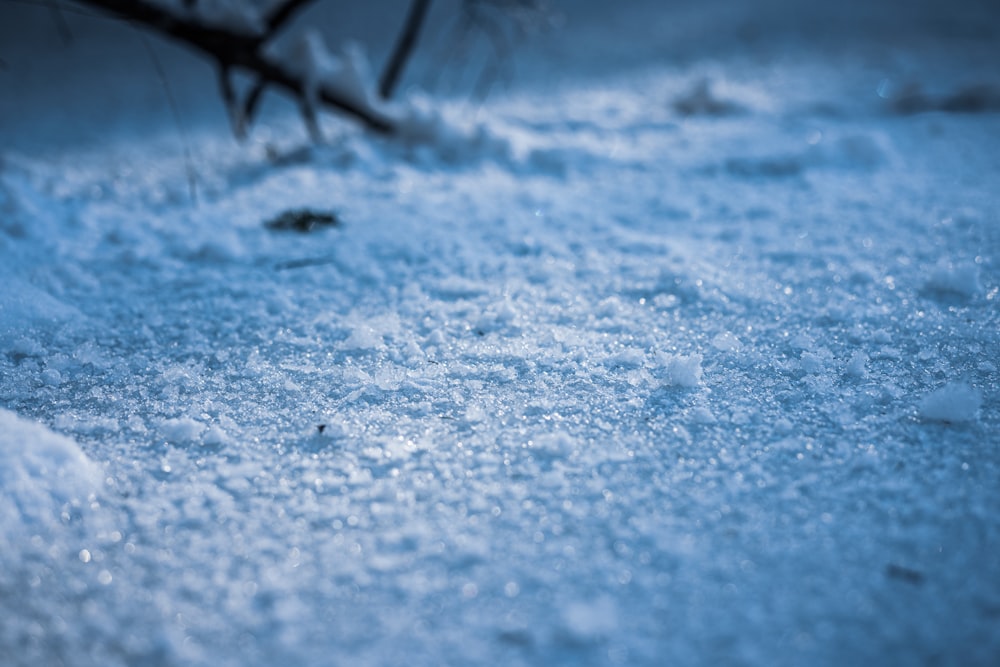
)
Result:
{"points": [[238, 50], [249, 108], [404, 47], [65, 34], [229, 97], [283, 13], [308, 110], [172, 103]]}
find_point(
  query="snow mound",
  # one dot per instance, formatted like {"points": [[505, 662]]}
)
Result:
{"points": [[43, 475], [23, 308], [953, 403]]}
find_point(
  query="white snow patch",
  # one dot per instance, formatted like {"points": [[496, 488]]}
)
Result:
{"points": [[40, 473], [954, 402]]}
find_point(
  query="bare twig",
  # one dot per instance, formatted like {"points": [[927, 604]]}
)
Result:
{"points": [[404, 47], [65, 34], [249, 109], [283, 13], [235, 50], [192, 175]]}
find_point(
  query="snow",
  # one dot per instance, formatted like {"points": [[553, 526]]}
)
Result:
{"points": [[44, 478], [181, 430], [952, 403], [582, 377], [960, 279], [684, 370]]}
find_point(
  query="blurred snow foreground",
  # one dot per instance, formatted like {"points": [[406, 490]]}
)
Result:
{"points": [[673, 358]]}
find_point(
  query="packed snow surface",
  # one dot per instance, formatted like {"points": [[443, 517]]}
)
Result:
{"points": [[682, 350]]}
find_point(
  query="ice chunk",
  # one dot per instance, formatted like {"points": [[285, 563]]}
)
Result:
{"points": [[41, 472], [952, 403]]}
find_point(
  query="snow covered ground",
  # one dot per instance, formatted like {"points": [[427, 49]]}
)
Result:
{"points": [[682, 350]]}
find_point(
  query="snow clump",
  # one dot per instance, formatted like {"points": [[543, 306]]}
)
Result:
{"points": [[953, 403], [183, 429], [857, 366], [684, 370]]}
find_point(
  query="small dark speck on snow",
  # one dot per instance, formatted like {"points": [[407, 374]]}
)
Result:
{"points": [[302, 221]]}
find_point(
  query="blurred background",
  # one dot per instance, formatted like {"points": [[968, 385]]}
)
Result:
{"points": [[71, 77]]}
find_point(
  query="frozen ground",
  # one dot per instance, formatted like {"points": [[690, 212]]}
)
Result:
{"points": [[685, 356]]}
